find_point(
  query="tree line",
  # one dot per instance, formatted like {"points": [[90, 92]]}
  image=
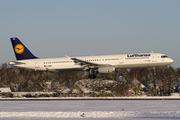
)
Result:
{"points": [[24, 80]]}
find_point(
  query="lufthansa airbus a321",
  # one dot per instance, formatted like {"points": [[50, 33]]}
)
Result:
{"points": [[99, 63]]}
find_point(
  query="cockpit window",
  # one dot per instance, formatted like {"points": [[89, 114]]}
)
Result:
{"points": [[164, 56]]}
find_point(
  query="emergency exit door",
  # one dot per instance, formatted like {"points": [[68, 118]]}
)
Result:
{"points": [[36, 64]]}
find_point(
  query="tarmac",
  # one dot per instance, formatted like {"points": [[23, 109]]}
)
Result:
{"points": [[90, 98]]}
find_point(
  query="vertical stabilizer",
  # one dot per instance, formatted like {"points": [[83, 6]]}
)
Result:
{"points": [[20, 50]]}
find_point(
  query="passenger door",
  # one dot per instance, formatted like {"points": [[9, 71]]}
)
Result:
{"points": [[154, 58], [121, 60], [37, 64]]}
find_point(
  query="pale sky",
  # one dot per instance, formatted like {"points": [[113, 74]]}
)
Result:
{"points": [[55, 28]]}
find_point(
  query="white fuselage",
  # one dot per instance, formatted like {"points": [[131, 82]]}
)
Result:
{"points": [[137, 60]]}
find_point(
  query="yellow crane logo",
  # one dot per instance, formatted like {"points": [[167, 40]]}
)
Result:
{"points": [[19, 48]]}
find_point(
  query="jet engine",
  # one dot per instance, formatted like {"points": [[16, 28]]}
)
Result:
{"points": [[106, 69]]}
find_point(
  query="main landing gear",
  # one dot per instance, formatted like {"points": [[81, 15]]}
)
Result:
{"points": [[154, 68]]}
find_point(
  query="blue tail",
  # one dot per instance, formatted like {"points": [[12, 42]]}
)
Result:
{"points": [[20, 50]]}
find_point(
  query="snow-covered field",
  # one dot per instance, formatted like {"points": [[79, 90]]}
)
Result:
{"points": [[93, 109]]}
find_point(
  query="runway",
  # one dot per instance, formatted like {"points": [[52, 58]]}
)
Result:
{"points": [[90, 98], [92, 109]]}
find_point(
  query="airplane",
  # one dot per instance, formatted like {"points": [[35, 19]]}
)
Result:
{"points": [[99, 63]]}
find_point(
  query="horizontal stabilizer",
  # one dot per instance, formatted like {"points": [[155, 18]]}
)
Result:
{"points": [[16, 63]]}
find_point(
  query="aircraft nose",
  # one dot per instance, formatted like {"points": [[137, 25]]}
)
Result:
{"points": [[170, 60]]}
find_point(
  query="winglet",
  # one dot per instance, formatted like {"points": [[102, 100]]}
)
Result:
{"points": [[67, 57]]}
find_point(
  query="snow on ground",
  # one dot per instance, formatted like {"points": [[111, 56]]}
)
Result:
{"points": [[93, 109]]}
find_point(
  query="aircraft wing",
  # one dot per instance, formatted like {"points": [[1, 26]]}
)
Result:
{"points": [[84, 63]]}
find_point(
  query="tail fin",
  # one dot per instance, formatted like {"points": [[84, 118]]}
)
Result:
{"points": [[20, 50]]}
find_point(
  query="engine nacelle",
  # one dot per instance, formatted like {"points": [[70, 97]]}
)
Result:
{"points": [[106, 69]]}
